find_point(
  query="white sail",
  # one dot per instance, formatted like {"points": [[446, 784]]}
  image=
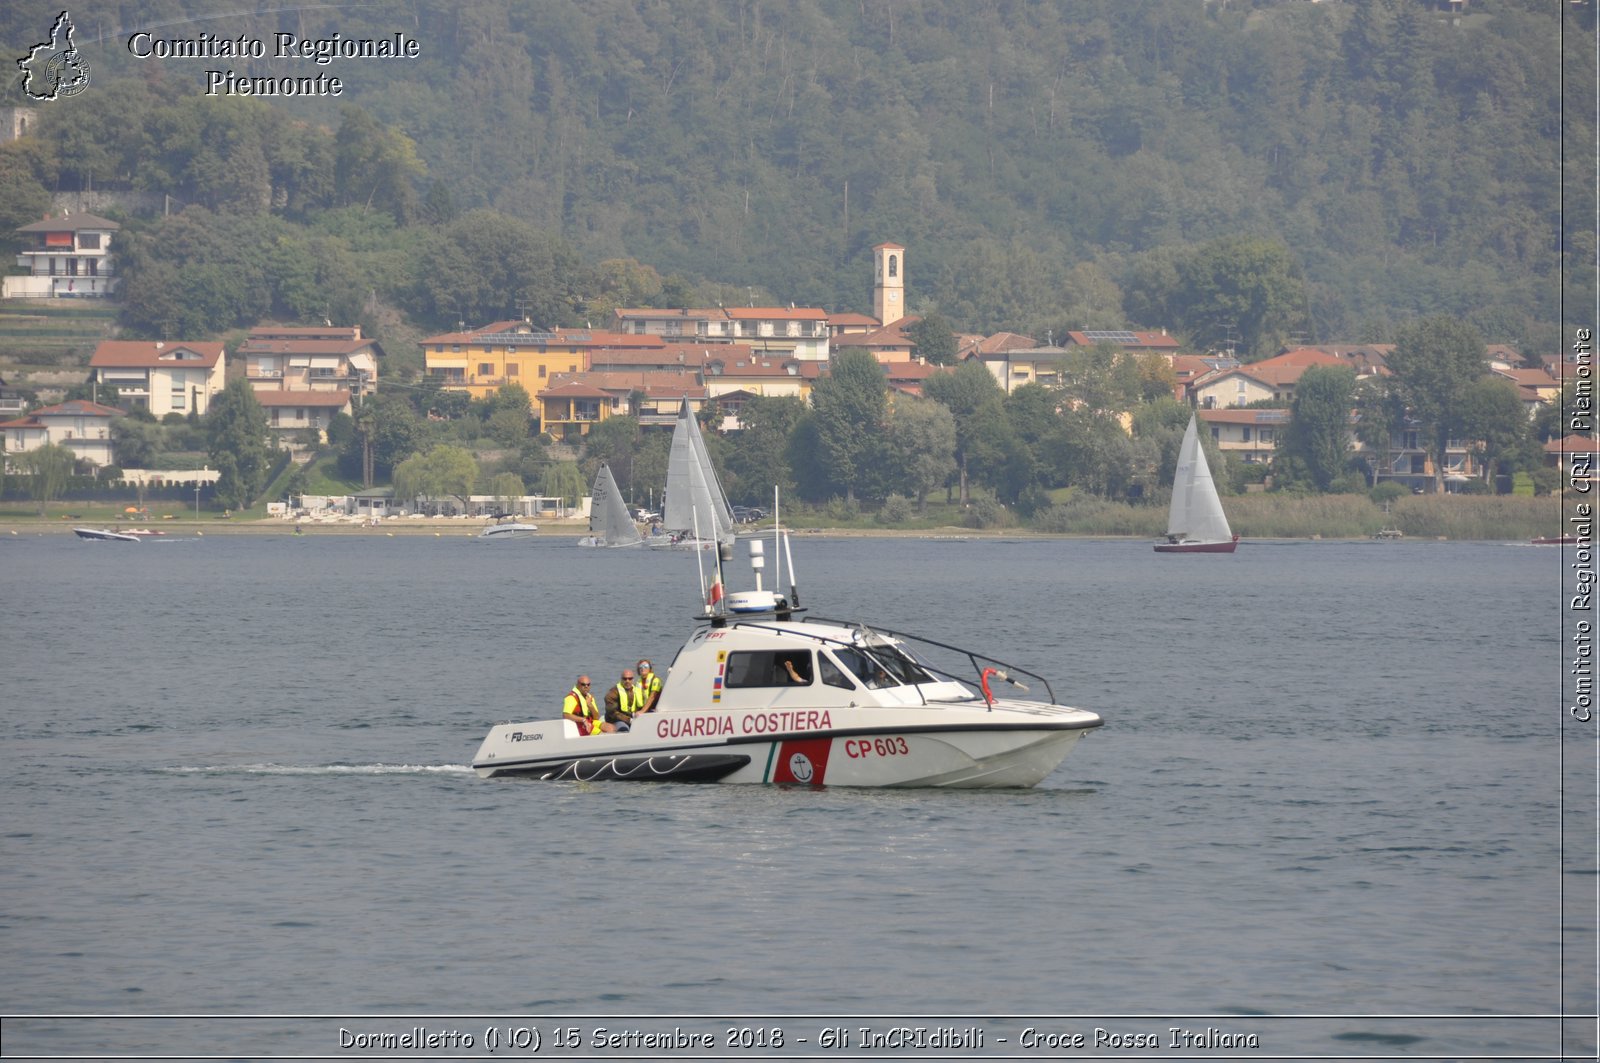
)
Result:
{"points": [[1196, 514], [609, 522], [694, 497]]}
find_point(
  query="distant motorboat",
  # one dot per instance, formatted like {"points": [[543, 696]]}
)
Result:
{"points": [[1553, 540], [106, 535], [507, 526], [1195, 522]]}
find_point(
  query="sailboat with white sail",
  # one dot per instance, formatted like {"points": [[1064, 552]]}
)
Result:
{"points": [[609, 522], [696, 513], [1195, 523]]}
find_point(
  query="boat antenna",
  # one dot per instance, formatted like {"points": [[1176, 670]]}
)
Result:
{"points": [[699, 561], [794, 589], [777, 539]]}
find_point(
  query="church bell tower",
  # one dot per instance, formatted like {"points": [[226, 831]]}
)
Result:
{"points": [[888, 283]]}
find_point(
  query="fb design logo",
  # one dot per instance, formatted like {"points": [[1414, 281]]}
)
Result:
{"points": [[800, 767], [54, 69]]}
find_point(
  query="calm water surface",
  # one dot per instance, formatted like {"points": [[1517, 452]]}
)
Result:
{"points": [[1329, 784]]}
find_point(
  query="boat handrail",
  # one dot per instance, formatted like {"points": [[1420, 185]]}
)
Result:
{"points": [[977, 660]]}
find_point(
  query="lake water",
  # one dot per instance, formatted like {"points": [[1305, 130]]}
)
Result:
{"points": [[1327, 808]]}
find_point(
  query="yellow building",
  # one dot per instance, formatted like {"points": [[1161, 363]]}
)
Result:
{"points": [[483, 361]]}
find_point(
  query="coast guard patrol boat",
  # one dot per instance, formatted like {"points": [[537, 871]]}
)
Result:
{"points": [[761, 694]]}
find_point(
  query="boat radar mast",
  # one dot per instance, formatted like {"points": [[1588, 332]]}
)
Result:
{"points": [[759, 600]]}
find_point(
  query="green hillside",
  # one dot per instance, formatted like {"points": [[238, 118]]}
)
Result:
{"points": [[1046, 164], [47, 345]]}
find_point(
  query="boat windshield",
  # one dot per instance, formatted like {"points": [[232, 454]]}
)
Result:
{"points": [[883, 666]]}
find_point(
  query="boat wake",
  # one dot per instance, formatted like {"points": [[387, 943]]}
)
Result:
{"points": [[326, 769]]}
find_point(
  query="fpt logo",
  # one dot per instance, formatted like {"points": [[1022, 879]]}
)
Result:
{"points": [[54, 69]]}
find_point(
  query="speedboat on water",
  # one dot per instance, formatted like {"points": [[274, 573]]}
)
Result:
{"points": [[508, 527], [760, 693], [107, 535]]}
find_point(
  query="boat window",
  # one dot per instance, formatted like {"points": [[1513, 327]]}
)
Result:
{"points": [[871, 673], [884, 666], [767, 668], [832, 674]]}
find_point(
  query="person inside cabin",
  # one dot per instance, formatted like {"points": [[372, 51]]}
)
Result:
{"points": [[650, 683], [624, 701], [579, 707], [792, 674]]}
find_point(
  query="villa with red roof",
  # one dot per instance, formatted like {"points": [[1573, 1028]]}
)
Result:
{"points": [[81, 426], [160, 376], [280, 358], [292, 412], [795, 332]]}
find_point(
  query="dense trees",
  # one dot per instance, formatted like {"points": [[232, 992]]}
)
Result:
{"points": [[45, 471], [1375, 154], [236, 440], [849, 408], [1436, 362], [1316, 444]]}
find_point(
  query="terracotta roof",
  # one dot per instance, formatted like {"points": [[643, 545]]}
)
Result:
{"points": [[70, 408], [897, 247], [777, 313], [1005, 341], [891, 335], [686, 388], [1573, 444], [70, 223], [666, 311], [336, 399], [490, 336], [1234, 415], [850, 317], [1190, 366], [621, 381], [261, 346], [1302, 356], [764, 367], [1532, 378], [914, 371], [574, 389], [145, 354], [1273, 376], [1159, 340]]}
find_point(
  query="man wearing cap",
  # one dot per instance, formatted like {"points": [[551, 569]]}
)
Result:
{"points": [[624, 701], [579, 707]]}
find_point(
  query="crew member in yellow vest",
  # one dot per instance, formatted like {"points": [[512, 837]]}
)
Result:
{"points": [[579, 707], [650, 683], [624, 701]]}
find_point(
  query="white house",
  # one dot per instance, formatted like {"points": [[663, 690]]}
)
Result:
{"points": [[79, 425], [66, 257], [160, 376], [289, 412]]}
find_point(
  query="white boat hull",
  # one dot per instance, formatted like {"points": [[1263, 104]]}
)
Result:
{"points": [[106, 535], [974, 748], [503, 532]]}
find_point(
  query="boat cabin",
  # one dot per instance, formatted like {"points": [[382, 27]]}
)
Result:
{"points": [[768, 663]]}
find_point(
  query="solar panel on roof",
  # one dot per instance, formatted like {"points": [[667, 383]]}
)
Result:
{"points": [[1113, 336]]}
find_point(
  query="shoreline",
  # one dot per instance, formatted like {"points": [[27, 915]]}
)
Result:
{"points": [[450, 529]]}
